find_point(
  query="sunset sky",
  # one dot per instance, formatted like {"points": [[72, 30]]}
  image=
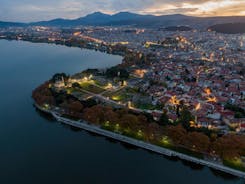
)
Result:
{"points": [[33, 10]]}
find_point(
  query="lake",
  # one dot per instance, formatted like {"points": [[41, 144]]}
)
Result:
{"points": [[36, 149]]}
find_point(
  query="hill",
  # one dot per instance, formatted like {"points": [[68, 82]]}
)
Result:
{"points": [[229, 28], [137, 20], [11, 24], [96, 19], [174, 22]]}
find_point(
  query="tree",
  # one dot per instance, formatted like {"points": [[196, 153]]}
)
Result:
{"points": [[129, 122], [94, 114], [111, 116], [239, 112], [89, 103], [197, 141], [117, 72], [59, 76], [43, 95], [186, 117], [164, 119], [75, 106], [177, 134], [213, 137], [230, 146], [122, 112], [153, 132], [76, 85]]}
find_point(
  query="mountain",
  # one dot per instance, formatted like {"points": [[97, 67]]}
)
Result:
{"points": [[132, 19], [54, 22], [95, 19], [229, 28], [122, 16], [11, 24], [137, 20], [119, 19]]}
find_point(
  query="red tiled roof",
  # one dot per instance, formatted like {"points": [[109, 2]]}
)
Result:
{"points": [[243, 125]]}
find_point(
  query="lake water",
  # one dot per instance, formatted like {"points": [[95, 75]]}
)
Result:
{"points": [[36, 149]]}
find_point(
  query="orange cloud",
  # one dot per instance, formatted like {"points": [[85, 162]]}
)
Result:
{"points": [[198, 7]]}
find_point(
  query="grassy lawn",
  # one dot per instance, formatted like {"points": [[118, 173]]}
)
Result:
{"points": [[131, 90], [89, 86], [77, 93], [100, 84], [124, 95], [145, 106], [235, 164], [148, 106], [70, 90], [120, 95]]}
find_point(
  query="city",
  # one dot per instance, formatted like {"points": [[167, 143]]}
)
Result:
{"points": [[208, 73], [175, 77], [122, 91]]}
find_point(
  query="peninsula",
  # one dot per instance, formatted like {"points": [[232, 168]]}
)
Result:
{"points": [[111, 103]]}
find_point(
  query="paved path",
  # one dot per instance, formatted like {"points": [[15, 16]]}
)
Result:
{"points": [[95, 129]]}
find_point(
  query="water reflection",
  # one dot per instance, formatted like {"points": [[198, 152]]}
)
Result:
{"points": [[130, 147], [223, 175]]}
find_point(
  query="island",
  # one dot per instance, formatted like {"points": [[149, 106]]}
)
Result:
{"points": [[115, 103]]}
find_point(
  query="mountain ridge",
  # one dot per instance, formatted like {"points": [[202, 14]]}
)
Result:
{"points": [[133, 19]]}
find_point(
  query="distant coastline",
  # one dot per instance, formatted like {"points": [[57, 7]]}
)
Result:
{"points": [[104, 48]]}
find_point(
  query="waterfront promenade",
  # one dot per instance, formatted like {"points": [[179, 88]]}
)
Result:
{"points": [[157, 149]]}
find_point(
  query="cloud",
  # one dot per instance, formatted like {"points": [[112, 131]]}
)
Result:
{"points": [[197, 7], [171, 11], [30, 10]]}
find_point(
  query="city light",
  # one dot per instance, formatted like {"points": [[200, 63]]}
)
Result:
{"points": [[198, 107], [109, 86], [140, 133], [207, 91], [116, 98], [212, 99], [165, 140], [174, 100]]}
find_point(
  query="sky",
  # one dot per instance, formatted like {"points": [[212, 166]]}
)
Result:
{"points": [[36, 10]]}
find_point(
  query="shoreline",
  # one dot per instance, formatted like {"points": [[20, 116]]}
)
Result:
{"points": [[92, 48], [141, 144]]}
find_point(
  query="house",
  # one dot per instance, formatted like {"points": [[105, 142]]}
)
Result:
{"points": [[242, 127]]}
